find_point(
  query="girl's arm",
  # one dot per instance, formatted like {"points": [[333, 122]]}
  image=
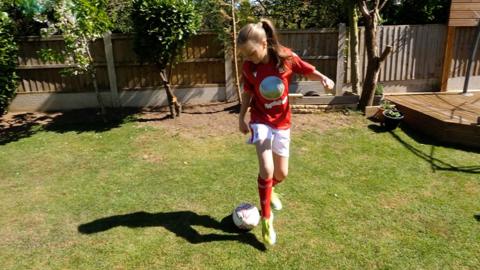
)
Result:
{"points": [[317, 76], [242, 124]]}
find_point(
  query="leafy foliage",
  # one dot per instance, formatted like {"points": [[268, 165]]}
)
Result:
{"points": [[416, 12], [162, 28], [8, 61], [390, 109], [80, 22], [217, 16], [23, 12], [299, 14], [120, 13]]}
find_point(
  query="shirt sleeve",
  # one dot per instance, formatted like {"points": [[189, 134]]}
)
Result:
{"points": [[301, 67]]}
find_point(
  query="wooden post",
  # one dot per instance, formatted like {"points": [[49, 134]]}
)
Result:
{"points": [[229, 77], [112, 76], [447, 58], [472, 57], [342, 31]]}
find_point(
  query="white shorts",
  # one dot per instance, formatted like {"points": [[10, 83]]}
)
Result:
{"points": [[279, 138]]}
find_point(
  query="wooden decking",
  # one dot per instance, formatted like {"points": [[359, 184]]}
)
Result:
{"points": [[448, 117]]}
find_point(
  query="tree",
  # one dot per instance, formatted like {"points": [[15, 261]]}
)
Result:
{"points": [[353, 42], [162, 28], [8, 62], [371, 14], [80, 22]]}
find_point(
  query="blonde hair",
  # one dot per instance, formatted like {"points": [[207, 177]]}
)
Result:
{"points": [[257, 32]]}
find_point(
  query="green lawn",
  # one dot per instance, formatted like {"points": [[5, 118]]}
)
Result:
{"points": [[137, 196]]}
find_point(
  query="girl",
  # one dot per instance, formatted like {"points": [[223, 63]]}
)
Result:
{"points": [[267, 72]]}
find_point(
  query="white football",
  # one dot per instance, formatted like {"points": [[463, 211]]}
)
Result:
{"points": [[246, 216]]}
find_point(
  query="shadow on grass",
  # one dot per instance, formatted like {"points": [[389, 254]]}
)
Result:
{"points": [[477, 217], [180, 223], [231, 108], [24, 125], [435, 163]]}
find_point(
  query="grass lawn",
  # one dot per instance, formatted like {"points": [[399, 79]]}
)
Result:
{"points": [[141, 195]]}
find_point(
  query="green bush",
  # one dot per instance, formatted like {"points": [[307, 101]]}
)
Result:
{"points": [[120, 12], [8, 61], [162, 28]]}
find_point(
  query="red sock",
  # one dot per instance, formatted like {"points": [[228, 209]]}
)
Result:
{"points": [[265, 191], [275, 181]]}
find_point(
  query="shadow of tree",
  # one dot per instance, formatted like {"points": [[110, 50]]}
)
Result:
{"points": [[20, 126], [180, 223], [435, 163], [24, 125]]}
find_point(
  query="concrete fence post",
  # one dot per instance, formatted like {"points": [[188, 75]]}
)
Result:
{"points": [[342, 33], [112, 76]]}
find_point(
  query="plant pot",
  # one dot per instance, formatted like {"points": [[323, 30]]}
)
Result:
{"points": [[377, 99], [390, 122]]}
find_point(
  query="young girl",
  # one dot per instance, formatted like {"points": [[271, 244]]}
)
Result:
{"points": [[267, 72]]}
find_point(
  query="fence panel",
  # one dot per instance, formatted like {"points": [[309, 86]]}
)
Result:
{"points": [[318, 47], [464, 37], [40, 76], [417, 52]]}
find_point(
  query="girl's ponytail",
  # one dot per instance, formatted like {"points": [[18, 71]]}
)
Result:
{"points": [[272, 38], [275, 49]]}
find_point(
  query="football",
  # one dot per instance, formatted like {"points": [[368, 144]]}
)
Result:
{"points": [[272, 88], [246, 216]]}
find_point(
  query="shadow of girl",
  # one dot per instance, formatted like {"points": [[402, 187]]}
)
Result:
{"points": [[180, 223]]}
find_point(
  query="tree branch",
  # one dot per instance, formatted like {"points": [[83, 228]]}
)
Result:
{"points": [[362, 5], [265, 10], [382, 5], [385, 53], [377, 2]]}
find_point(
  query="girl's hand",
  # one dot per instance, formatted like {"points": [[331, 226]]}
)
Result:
{"points": [[243, 126], [327, 83]]}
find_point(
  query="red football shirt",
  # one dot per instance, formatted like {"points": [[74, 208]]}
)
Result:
{"points": [[265, 83]]}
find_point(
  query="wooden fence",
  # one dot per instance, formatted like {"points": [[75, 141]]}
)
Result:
{"points": [[203, 62], [417, 55], [417, 52], [464, 37]]}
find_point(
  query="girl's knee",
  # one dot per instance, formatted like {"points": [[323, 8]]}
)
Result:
{"points": [[266, 174], [280, 175]]}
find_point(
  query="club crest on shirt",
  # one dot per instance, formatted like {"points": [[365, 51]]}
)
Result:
{"points": [[272, 88]]}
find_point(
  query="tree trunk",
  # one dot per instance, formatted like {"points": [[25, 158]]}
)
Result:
{"points": [[173, 104], [374, 59], [353, 40], [369, 84], [235, 59], [92, 72], [373, 65]]}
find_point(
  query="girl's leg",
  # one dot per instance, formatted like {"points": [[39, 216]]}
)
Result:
{"points": [[281, 152], [280, 172], [265, 181]]}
